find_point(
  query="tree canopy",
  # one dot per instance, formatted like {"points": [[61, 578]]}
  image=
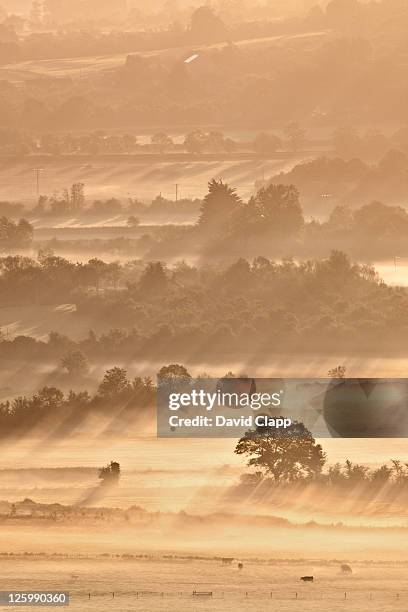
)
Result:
{"points": [[220, 203], [285, 454]]}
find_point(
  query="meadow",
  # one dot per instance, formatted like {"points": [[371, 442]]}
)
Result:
{"points": [[160, 585]]}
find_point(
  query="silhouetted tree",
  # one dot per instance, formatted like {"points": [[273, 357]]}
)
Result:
{"points": [[133, 221], [174, 377], [381, 475], [285, 454], [206, 25], [355, 473], [154, 279], [278, 207], [265, 143], [110, 474], [75, 363], [114, 383], [77, 196], [95, 270], [218, 205], [161, 142], [337, 372], [14, 235], [195, 141]]}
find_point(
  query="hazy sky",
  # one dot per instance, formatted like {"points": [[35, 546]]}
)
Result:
{"points": [[16, 6]]}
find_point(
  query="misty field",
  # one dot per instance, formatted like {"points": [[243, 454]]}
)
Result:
{"points": [[160, 584], [132, 178]]}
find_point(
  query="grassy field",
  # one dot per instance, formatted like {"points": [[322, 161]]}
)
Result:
{"points": [[162, 585]]}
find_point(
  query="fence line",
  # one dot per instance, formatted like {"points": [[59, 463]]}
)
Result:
{"points": [[286, 596]]}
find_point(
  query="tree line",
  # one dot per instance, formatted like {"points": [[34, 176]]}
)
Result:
{"points": [[252, 307], [292, 459], [273, 222], [326, 181], [116, 396], [15, 234], [15, 142], [346, 141]]}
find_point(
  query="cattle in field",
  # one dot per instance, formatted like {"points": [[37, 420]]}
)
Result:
{"points": [[240, 566], [346, 569], [307, 578], [227, 560]]}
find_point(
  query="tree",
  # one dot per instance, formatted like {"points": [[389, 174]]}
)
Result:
{"points": [[95, 270], [337, 372], [24, 233], [161, 142], [341, 218], [110, 474], [133, 221], [265, 143], [285, 454], [219, 204], [206, 25], [399, 471], [381, 475], [377, 219], [195, 141], [15, 235], [77, 196], [47, 399], [238, 275], [114, 273], [129, 142], [278, 206], [174, 377], [215, 142], [335, 475], [355, 473], [115, 382], [154, 279], [75, 363], [336, 269]]}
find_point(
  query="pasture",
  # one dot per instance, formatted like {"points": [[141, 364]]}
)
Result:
{"points": [[165, 584]]}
